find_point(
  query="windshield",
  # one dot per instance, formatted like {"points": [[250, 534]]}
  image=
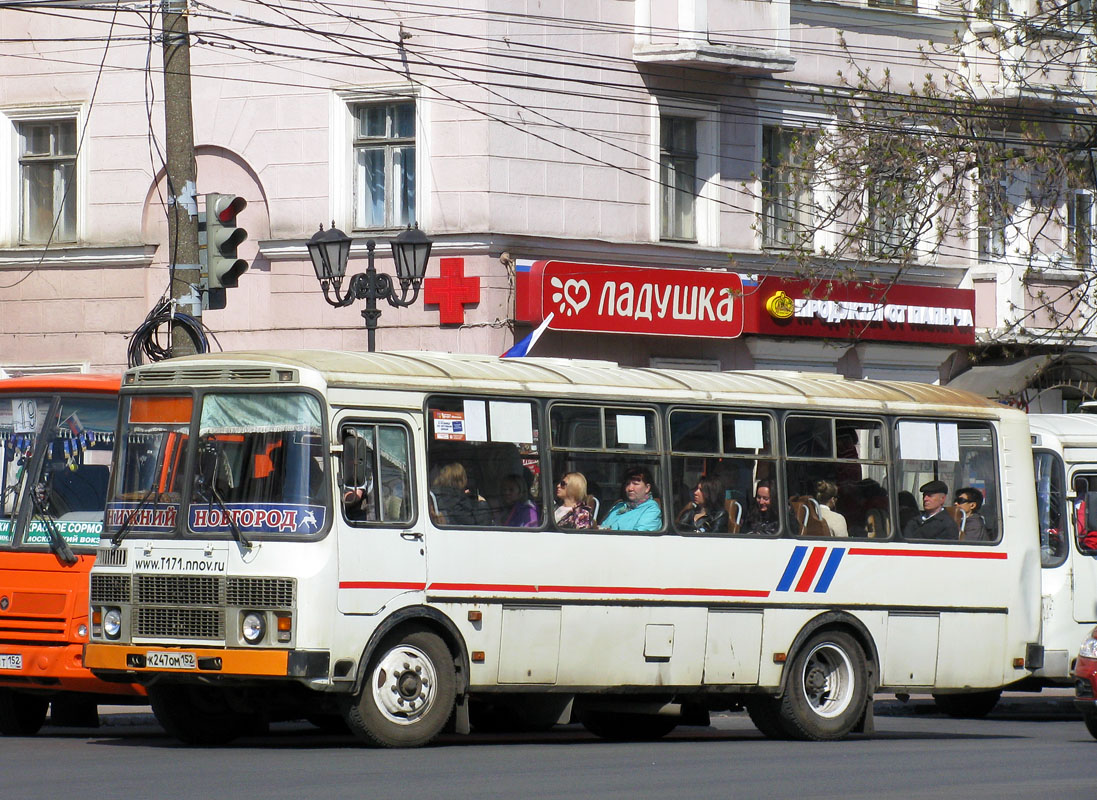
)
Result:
{"points": [[54, 468]]}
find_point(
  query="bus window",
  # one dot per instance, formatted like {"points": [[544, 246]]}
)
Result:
{"points": [[1085, 515], [370, 451], [485, 463], [605, 444], [723, 456], [836, 474], [1048, 468], [960, 454]]}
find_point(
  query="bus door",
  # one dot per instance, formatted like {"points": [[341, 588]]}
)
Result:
{"points": [[382, 553], [1084, 547]]}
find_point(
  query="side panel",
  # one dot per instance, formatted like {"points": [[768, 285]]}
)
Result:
{"points": [[733, 647], [911, 650]]}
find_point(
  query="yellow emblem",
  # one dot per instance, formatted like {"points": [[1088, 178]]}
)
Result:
{"points": [[780, 306]]}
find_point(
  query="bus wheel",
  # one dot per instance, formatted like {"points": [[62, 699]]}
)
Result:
{"points": [[201, 715], [622, 727], [765, 713], [969, 705], [409, 692], [1091, 724], [21, 714], [827, 689]]}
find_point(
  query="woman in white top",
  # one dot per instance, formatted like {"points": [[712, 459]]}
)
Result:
{"points": [[826, 496]]}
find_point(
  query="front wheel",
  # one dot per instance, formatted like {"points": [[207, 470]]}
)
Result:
{"points": [[827, 689], [202, 715], [969, 705], [21, 714], [409, 691]]}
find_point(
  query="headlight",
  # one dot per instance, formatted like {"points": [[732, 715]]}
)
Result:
{"points": [[112, 623], [1089, 646], [82, 631], [253, 627]]}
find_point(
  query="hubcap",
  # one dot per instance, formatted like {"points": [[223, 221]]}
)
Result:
{"points": [[403, 684], [828, 680]]}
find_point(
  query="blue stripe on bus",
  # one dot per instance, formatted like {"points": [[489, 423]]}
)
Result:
{"points": [[793, 567], [829, 570]]}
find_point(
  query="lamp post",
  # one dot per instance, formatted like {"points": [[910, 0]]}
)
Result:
{"points": [[330, 250]]}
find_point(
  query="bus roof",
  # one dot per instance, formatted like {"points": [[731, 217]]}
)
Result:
{"points": [[441, 372], [1072, 430], [62, 382]]}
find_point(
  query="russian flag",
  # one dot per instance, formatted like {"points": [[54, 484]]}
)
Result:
{"points": [[523, 347]]}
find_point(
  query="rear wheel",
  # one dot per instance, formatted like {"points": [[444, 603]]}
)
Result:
{"points": [[765, 713], [21, 714], [969, 705], [623, 727], [202, 715], [409, 691], [827, 689]]}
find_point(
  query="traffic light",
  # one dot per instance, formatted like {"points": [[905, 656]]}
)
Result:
{"points": [[223, 266]]}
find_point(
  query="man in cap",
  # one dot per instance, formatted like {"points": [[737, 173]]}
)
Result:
{"points": [[934, 522]]}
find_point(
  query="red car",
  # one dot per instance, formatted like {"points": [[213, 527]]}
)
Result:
{"points": [[1085, 682]]}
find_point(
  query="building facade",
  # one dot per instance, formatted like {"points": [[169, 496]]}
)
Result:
{"points": [[615, 134]]}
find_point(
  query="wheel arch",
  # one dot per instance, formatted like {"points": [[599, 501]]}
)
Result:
{"points": [[841, 621], [423, 618]]}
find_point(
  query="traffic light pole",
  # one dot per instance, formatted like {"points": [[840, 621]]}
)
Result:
{"points": [[182, 172]]}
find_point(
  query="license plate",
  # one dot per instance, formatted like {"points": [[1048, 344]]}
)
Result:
{"points": [[170, 660], [8, 661]]}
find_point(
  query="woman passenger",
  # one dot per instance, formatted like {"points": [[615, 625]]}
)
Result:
{"points": [[576, 509], [520, 510], [452, 501], [706, 514]]}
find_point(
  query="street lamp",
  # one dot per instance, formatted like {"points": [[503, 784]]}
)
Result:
{"points": [[330, 250]]}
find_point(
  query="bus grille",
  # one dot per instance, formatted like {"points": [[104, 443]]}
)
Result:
{"points": [[110, 588], [179, 590], [260, 592], [179, 623], [111, 556], [158, 376]]}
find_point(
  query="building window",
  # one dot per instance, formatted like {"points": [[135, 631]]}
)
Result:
{"points": [[904, 5], [47, 177], [891, 230], [678, 178], [788, 204], [1080, 227], [384, 165], [992, 220]]}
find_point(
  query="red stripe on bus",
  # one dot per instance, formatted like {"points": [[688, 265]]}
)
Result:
{"points": [[380, 585], [814, 560], [530, 589], [868, 551]]}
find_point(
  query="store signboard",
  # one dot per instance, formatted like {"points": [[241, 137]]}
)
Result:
{"points": [[600, 298]]}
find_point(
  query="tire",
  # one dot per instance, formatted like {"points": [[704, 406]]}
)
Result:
{"points": [[329, 723], [68, 711], [1091, 724], [969, 705], [827, 689], [517, 714], [622, 727], [201, 715], [21, 714], [765, 713], [408, 694]]}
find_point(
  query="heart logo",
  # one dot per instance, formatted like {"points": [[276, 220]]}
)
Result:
{"points": [[573, 296]]}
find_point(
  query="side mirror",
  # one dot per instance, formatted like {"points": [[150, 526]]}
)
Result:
{"points": [[356, 461]]}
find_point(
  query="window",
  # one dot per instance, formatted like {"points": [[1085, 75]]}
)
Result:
{"points": [[787, 201], [1080, 227], [726, 455], [850, 456], [1077, 11], [47, 178], [384, 165], [678, 178], [375, 475], [961, 454], [992, 220], [1049, 508], [903, 5], [484, 461], [891, 204]]}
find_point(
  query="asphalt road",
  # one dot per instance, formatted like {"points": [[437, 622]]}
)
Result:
{"points": [[1031, 748]]}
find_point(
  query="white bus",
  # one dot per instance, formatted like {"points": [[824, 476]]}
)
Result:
{"points": [[311, 533]]}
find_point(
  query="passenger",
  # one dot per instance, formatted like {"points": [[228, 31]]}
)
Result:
{"points": [[762, 517], [934, 522], [453, 502], [576, 509], [970, 500], [520, 510], [908, 508], [706, 514], [638, 511], [826, 495]]}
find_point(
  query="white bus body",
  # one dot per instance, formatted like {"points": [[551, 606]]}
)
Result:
{"points": [[397, 615]]}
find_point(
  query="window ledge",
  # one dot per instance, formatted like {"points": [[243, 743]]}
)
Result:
{"points": [[75, 255], [702, 55]]}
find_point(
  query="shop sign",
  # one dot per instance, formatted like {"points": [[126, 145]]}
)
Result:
{"points": [[860, 311], [641, 300]]}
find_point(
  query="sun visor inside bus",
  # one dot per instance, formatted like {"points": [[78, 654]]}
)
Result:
{"points": [[174, 410]]}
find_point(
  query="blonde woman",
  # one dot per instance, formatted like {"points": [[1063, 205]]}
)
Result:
{"points": [[576, 509]]}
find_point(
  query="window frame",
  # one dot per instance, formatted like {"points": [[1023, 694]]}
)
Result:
{"points": [[789, 229], [1079, 244], [410, 486], [707, 173], [387, 144], [1066, 528]]}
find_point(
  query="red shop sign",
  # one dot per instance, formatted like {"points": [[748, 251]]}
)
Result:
{"points": [[860, 311], [601, 298]]}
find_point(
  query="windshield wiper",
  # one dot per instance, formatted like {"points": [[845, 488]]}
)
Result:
{"points": [[237, 534], [153, 494], [30, 502], [58, 545]]}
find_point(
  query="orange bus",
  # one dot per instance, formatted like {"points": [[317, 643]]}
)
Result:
{"points": [[56, 439]]}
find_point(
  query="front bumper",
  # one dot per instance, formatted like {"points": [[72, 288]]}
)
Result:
{"points": [[132, 660], [59, 669], [1085, 684]]}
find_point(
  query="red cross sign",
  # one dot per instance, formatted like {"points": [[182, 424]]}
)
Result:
{"points": [[451, 292]]}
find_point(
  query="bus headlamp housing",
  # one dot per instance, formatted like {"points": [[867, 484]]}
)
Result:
{"points": [[112, 623], [1089, 646], [253, 626]]}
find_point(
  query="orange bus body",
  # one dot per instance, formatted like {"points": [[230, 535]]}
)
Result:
{"points": [[44, 603]]}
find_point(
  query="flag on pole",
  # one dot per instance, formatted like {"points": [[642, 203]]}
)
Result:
{"points": [[523, 347]]}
